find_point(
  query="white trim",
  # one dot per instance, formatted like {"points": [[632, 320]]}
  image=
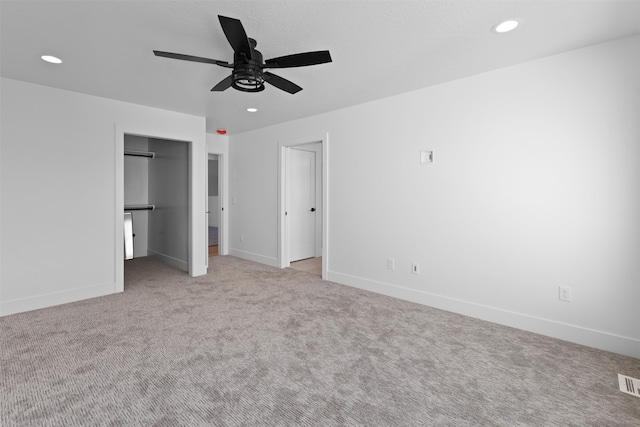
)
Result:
{"points": [[566, 332], [55, 298], [119, 209], [283, 259], [251, 256]]}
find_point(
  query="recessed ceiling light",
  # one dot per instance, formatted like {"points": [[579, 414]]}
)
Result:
{"points": [[252, 110], [506, 26], [51, 59]]}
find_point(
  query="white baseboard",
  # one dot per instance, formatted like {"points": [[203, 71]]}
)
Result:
{"points": [[273, 262], [55, 298], [566, 332], [177, 263]]}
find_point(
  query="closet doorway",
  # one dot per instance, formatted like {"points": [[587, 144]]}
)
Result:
{"points": [[156, 194], [214, 203]]}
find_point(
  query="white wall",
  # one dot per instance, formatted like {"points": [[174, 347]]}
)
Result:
{"points": [[136, 190], [214, 214], [62, 153], [536, 184]]}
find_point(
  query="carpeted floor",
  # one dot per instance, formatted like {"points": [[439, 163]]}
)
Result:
{"points": [[252, 345]]}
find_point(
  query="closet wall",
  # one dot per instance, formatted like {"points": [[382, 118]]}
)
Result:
{"points": [[163, 182], [169, 192], [136, 190]]}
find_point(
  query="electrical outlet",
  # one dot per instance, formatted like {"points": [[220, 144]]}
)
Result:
{"points": [[564, 293], [391, 264], [415, 268], [242, 237]]}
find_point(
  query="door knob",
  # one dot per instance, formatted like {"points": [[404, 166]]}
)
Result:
{"points": [[313, 209]]}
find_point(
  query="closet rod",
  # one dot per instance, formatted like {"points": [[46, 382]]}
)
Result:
{"points": [[139, 207], [148, 154]]}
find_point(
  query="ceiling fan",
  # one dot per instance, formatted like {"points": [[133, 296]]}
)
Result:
{"points": [[248, 68]]}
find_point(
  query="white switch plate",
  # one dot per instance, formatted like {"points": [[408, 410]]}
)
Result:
{"points": [[426, 156]]}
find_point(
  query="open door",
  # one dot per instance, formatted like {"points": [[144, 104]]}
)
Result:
{"points": [[301, 203]]}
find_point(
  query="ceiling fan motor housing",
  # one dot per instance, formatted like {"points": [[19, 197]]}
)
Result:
{"points": [[247, 72]]}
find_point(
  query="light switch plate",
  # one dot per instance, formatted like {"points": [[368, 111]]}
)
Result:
{"points": [[426, 157]]}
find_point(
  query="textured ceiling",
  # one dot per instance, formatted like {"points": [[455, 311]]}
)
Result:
{"points": [[379, 48]]}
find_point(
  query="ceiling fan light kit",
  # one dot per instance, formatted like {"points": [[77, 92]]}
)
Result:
{"points": [[248, 68]]}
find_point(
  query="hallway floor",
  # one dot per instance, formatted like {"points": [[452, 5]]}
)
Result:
{"points": [[310, 265]]}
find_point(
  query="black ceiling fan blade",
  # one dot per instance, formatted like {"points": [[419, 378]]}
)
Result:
{"points": [[223, 85], [299, 59], [191, 58], [281, 83], [236, 35]]}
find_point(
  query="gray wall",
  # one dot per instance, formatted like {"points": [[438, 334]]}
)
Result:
{"points": [[213, 178], [169, 192]]}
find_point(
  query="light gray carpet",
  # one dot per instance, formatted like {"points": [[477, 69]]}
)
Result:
{"points": [[251, 345]]}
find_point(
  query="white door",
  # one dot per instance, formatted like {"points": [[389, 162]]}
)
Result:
{"points": [[301, 211]]}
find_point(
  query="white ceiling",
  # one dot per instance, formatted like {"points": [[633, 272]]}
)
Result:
{"points": [[379, 48]]}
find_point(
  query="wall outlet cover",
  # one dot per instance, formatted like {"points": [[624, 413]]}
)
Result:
{"points": [[415, 268]]}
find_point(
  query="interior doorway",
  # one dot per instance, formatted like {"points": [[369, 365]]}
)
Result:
{"points": [[156, 198], [194, 190], [302, 195], [214, 211]]}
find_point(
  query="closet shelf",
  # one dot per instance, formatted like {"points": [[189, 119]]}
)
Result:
{"points": [[139, 207], [148, 154]]}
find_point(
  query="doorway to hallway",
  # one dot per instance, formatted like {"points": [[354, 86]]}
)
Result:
{"points": [[214, 205]]}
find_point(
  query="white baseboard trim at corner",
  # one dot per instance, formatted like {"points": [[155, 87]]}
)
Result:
{"points": [[566, 332], [273, 262], [177, 263], [55, 298]]}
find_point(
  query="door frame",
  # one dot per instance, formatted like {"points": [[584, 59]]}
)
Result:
{"points": [[197, 255], [283, 229]]}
